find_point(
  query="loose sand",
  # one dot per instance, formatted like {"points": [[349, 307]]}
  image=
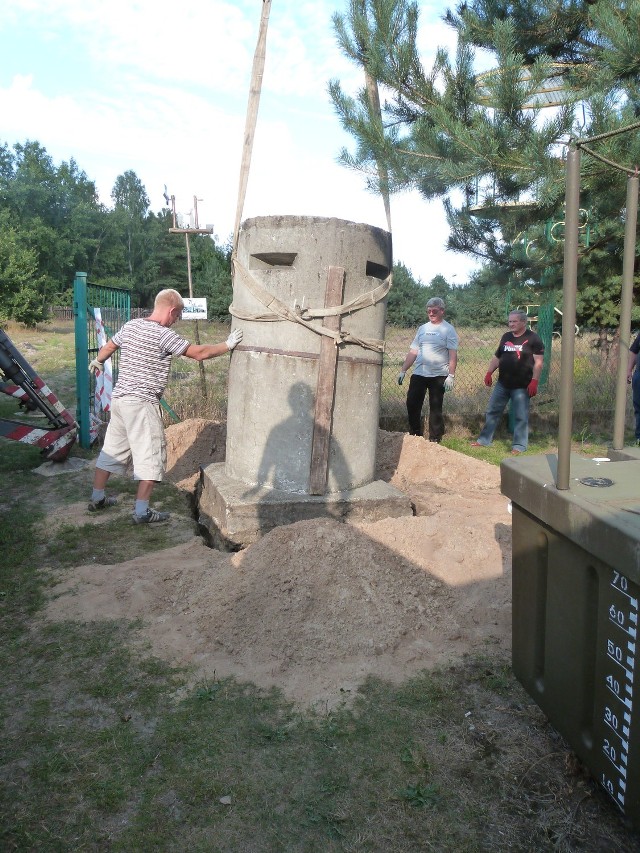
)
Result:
{"points": [[316, 606]]}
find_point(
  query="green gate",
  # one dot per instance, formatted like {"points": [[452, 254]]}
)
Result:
{"points": [[114, 308]]}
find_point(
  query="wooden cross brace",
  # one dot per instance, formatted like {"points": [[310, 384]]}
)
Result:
{"points": [[326, 387]]}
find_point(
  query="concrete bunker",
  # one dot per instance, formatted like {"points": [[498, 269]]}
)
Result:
{"points": [[304, 385]]}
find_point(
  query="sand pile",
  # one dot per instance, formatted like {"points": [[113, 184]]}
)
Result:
{"points": [[316, 606]]}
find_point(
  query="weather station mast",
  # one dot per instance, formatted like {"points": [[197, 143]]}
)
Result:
{"points": [[575, 521]]}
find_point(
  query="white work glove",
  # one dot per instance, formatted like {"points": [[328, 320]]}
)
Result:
{"points": [[234, 338], [448, 382], [96, 365], [401, 376]]}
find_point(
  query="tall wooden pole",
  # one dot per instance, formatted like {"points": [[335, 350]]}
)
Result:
{"points": [[203, 378], [257, 71]]}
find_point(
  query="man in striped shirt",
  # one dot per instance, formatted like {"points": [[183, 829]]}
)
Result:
{"points": [[135, 431]]}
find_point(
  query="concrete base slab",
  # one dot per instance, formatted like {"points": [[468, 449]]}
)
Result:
{"points": [[69, 466], [236, 514]]}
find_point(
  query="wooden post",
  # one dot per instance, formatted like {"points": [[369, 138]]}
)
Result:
{"points": [[326, 387], [203, 378], [186, 232]]}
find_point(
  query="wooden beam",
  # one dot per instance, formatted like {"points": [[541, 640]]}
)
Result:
{"points": [[190, 230], [325, 388]]}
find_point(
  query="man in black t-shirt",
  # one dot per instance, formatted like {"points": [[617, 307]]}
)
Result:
{"points": [[519, 360]]}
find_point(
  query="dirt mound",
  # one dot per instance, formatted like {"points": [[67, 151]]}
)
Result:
{"points": [[191, 444], [316, 606]]}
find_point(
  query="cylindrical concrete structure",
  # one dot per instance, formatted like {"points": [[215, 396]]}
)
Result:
{"points": [[282, 376]]}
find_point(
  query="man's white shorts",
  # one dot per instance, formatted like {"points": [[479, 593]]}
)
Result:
{"points": [[135, 433]]}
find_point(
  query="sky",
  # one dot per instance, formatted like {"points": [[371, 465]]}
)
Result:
{"points": [[161, 89]]}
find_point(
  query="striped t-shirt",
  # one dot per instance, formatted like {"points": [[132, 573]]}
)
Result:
{"points": [[146, 348]]}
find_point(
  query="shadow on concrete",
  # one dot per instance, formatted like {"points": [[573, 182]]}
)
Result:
{"points": [[287, 450]]}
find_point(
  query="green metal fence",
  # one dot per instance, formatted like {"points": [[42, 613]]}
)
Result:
{"points": [[113, 307]]}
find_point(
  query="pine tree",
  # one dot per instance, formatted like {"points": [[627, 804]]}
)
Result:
{"points": [[562, 69]]}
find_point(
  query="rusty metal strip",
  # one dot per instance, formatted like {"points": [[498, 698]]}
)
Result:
{"points": [[299, 354]]}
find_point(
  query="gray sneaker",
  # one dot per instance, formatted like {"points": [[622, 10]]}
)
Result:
{"points": [[96, 506], [150, 517]]}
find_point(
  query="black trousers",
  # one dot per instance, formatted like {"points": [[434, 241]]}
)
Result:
{"points": [[418, 387]]}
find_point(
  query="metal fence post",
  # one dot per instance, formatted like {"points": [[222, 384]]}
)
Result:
{"points": [[570, 284], [82, 347], [624, 342]]}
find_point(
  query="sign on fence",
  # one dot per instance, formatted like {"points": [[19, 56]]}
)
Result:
{"points": [[194, 309]]}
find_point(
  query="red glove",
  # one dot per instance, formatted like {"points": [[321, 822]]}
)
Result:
{"points": [[488, 379], [532, 387]]}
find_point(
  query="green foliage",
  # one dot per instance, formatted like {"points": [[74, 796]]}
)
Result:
{"points": [[485, 300], [420, 794], [486, 138], [52, 225], [212, 276], [20, 285], [407, 299]]}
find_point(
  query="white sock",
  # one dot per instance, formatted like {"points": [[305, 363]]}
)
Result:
{"points": [[97, 495]]}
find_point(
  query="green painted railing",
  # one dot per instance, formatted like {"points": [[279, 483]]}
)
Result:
{"points": [[115, 310]]}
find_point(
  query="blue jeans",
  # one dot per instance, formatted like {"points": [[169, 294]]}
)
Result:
{"points": [[500, 396], [635, 389]]}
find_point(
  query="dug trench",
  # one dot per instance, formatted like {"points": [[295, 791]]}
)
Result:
{"points": [[315, 607]]}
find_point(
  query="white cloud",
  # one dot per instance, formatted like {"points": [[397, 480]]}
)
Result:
{"points": [[162, 90]]}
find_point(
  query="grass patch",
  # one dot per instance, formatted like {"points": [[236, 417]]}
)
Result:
{"points": [[538, 444], [20, 578], [104, 746], [98, 751], [107, 543], [115, 539]]}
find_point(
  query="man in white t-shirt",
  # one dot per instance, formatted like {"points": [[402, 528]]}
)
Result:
{"points": [[434, 351], [135, 432]]}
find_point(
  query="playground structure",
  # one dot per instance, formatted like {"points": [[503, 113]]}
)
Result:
{"points": [[533, 318]]}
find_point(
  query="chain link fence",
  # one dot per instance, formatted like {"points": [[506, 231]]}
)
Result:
{"points": [[595, 368]]}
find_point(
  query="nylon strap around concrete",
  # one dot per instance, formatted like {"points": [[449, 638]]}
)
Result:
{"points": [[283, 312], [365, 300]]}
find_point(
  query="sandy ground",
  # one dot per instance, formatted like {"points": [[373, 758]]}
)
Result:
{"points": [[316, 606]]}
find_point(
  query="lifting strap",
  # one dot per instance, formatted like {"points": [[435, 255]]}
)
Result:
{"points": [[278, 310]]}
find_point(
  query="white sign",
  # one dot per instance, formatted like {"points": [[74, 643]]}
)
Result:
{"points": [[194, 309]]}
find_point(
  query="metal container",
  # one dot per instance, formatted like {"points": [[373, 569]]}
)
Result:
{"points": [[576, 586]]}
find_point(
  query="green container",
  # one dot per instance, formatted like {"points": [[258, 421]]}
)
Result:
{"points": [[576, 586]]}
